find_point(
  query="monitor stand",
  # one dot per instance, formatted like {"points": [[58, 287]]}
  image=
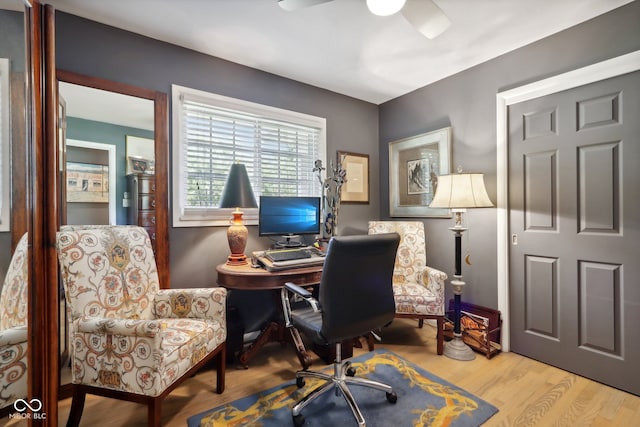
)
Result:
{"points": [[288, 243]]}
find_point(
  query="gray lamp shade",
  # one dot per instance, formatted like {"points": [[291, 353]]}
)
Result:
{"points": [[461, 190], [237, 191]]}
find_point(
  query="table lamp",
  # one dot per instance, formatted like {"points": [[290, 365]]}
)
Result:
{"points": [[458, 192], [237, 194]]}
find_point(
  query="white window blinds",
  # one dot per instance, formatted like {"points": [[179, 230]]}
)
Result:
{"points": [[278, 149]]}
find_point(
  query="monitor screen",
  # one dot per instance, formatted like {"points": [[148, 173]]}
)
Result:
{"points": [[288, 216]]}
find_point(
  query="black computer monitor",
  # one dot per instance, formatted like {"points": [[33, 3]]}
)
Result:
{"points": [[288, 216]]}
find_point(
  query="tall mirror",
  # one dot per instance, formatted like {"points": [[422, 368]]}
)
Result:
{"points": [[113, 164], [14, 75]]}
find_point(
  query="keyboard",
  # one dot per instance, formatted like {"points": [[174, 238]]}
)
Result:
{"points": [[287, 254]]}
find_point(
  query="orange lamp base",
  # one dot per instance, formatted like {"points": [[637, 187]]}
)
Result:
{"points": [[237, 235]]}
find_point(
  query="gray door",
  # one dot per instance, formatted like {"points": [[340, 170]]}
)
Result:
{"points": [[574, 212]]}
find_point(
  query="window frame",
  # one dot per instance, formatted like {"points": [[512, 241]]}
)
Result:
{"points": [[218, 216]]}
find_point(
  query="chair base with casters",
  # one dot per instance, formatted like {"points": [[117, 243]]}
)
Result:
{"points": [[343, 375]]}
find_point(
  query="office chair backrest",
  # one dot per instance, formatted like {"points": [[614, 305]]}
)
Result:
{"points": [[356, 293]]}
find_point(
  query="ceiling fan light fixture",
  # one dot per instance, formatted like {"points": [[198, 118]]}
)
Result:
{"points": [[385, 7], [291, 5], [426, 17]]}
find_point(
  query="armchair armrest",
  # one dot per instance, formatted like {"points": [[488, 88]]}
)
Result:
{"points": [[12, 336], [124, 327], [434, 280], [196, 303]]}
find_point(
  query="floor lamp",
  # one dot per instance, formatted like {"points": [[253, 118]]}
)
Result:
{"points": [[237, 194], [458, 192]]}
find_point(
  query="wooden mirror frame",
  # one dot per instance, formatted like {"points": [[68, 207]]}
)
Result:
{"points": [[161, 147]]}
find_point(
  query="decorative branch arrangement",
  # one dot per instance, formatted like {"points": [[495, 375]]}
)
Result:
{"points": [[331, 189]]}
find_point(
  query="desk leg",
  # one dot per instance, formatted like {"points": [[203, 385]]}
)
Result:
{"points": [[301, 351], [267, 335]]}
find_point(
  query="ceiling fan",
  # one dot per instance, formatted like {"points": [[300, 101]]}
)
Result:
{"points": [[424, 15]]}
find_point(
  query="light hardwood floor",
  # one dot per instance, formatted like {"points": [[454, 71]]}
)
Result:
{"points": [[526, 392]]}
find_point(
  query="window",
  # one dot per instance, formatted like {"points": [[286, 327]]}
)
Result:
{"points": [[5, 147], [211, 132]]}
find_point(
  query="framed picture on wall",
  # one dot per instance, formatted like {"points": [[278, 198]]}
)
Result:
{"points": [[414, 166], [139, 165], [356, 187], [87, 183], [140, 148]]}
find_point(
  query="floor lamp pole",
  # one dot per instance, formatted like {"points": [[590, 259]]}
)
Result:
{"points": [[456, 348]]}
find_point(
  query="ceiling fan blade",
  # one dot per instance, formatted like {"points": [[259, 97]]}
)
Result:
{"points": [[426, 17], [290, 5]]}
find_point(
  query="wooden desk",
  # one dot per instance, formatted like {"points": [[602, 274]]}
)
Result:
{"points": [[246, 277], [249, 278]]}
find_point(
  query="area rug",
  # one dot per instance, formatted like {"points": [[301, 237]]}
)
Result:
{"points": [[423, 400]]}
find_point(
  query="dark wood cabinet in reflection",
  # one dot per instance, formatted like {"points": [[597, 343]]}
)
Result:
{"points": [[142, 204]]}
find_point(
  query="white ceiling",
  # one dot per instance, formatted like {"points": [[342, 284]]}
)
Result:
{"points": [[340, 45], [109, 107]]}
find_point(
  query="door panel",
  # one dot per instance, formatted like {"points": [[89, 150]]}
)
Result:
{"points": [[574, 212]]}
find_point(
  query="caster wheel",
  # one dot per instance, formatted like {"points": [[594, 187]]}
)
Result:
{"points": [[298, 420], [351, 371], [392, 397], [300, 382]]}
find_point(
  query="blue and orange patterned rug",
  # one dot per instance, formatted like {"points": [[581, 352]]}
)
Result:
{"points": [[423, 400]]}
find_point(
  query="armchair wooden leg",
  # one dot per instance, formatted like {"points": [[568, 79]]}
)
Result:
{"points": [[440, 335], [77, 405], [154, 410], [420, 323], [221, 367]]}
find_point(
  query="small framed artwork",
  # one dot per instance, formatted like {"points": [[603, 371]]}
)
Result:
{"points": [[414, 166], [139, 165], [356, 187], [88, 183], [140, 148]]}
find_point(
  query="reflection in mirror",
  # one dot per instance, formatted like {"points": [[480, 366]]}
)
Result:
{"points": [[99, 126], [13, 209], [104, 138], [13, 328]]}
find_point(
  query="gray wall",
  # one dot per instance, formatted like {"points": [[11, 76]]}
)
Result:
{"points": [[85, 47], [467, 103]]}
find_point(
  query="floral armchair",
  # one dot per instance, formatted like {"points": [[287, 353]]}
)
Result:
{"points": [[418, 290], [13, 329], [130, 339]]}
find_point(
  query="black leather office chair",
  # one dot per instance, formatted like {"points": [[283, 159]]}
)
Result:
{"points": [[355, 297]]}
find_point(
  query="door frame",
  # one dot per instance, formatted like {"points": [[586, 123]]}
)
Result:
{"points": [[614, 67]]}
